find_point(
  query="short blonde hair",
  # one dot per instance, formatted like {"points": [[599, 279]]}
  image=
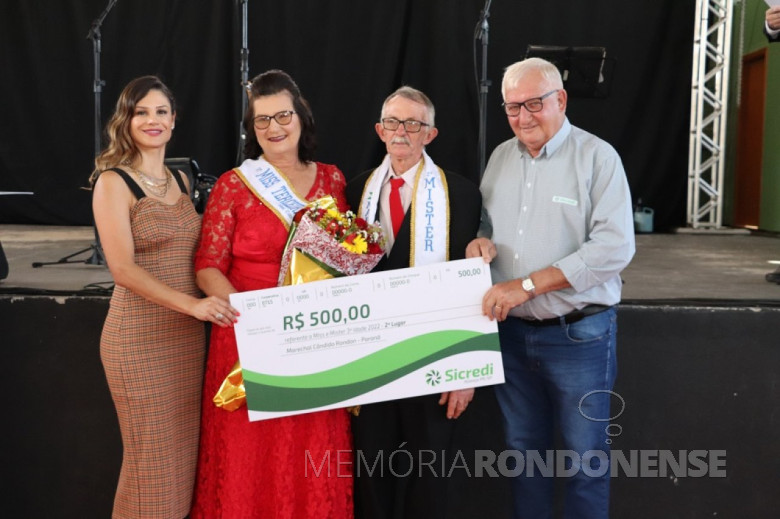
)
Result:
{"points": [[517, 71]]}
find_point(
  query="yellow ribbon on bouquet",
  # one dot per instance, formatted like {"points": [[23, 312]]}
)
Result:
{"points": [[231, 394]]}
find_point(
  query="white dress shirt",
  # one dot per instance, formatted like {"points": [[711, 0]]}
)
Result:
{"points": [[384, 201], [569, 207]]}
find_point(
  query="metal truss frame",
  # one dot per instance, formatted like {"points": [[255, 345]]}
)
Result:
{"points": [[709, 96]]}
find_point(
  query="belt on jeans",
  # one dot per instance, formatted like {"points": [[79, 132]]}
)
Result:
{"points": [[573, 317]]}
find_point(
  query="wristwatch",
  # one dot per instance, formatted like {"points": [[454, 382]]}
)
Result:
{"points": [[529, 287]]}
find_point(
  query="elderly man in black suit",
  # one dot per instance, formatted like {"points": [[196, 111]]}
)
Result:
{"points": [[428, 216], [772, 31], [772, 24]]}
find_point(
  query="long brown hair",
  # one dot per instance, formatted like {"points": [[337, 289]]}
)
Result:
{"points": [[121, 148]]}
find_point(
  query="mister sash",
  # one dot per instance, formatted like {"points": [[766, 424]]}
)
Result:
{"points": [[430, 217], [272, 188]]}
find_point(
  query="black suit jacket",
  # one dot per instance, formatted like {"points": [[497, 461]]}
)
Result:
{"points": [[421, 421], [768, 37], [465, 209]]}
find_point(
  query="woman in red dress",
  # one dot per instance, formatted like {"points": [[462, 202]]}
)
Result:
{"points": [[290, 467]]}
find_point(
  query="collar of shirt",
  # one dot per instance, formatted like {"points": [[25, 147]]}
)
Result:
{"points": [[407, 175], [553, 144], [384, 201]]}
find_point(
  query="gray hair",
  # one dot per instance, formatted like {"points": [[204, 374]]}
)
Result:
{"points": [[517, 71], [415, 95]]}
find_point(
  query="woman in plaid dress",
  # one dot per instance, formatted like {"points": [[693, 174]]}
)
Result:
{"points": [[153, 341]]}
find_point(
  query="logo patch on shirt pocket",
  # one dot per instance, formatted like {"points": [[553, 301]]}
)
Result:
{"points": [[564, 200]]}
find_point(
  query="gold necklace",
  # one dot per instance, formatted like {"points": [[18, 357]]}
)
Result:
{"points": [[156, 186]]}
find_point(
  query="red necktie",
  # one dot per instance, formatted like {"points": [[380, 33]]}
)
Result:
{"points": [[396, 207]]}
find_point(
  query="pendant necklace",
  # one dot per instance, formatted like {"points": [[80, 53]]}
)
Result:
{"points": [[157, 186]]}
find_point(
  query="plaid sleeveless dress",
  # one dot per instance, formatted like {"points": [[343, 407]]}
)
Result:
{"points": [[154, 358]]}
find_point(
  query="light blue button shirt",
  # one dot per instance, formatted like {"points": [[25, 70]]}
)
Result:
{"points": [[569, 207]]}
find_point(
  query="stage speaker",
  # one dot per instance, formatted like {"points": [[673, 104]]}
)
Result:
{"points": [[200, 184]]}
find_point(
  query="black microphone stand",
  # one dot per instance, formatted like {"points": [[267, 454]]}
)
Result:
{"points": [[244, 79], [481, 33], [97, 257], [98, 84]]}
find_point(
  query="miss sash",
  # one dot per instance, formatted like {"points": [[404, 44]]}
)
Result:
{"points": [[272, 188]]}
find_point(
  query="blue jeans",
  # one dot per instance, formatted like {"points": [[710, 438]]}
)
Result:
{"points": [[560, 377]]}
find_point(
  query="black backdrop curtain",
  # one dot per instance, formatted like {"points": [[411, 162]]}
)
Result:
{"points": [[346, 55]]}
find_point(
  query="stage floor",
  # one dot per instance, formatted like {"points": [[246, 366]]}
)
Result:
{"points": [[698, 359], [677, 267]]}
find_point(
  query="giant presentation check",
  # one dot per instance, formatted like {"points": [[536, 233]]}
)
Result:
{"points": [[362, 339]]}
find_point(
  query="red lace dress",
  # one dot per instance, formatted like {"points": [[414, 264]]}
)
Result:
{"points": [[271, 468]]}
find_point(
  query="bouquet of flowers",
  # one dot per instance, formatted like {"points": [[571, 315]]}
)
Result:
{"points": [[323, 243]]}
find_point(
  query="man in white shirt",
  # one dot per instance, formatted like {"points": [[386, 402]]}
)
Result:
{"points": [[562, 231]]}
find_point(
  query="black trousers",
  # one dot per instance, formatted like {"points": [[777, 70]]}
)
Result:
{"points": [[402, 454]]}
